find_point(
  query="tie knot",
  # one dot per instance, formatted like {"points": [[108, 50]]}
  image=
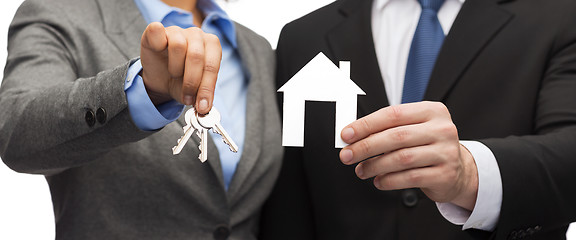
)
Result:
{"points": [[431, 4]]}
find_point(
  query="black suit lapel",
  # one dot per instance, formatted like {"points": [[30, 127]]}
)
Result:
{"points": [[351, 40], [476, 24]]}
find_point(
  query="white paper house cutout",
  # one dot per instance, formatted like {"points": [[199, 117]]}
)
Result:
{"points": [[319, 80]]}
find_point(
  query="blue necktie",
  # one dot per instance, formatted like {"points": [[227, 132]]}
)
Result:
{"points": [[425, 46]]}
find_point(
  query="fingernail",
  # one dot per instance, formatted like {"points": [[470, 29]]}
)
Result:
{"points": [[360, 171], [346, 156], [203, 105], [188, 100], [377, 183], [347, 134]]}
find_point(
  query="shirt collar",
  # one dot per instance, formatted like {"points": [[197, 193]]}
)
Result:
{"points": [[382, 3], [156, 11]]}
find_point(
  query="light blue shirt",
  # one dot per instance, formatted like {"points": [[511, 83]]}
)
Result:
{"points": [[231, 86]]}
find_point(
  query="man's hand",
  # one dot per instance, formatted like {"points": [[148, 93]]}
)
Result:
{"points": [[180, 64], [413, 145]]}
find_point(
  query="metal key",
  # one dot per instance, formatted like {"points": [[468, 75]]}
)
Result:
{"points": [[203, 134], [191, 126], [211, 120]]}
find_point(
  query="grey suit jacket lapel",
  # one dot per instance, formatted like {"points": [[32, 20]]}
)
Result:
{"points": [[254, 113], [123, 24]]}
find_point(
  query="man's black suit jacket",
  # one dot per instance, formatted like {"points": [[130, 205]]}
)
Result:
{"points": [[506, 72]]}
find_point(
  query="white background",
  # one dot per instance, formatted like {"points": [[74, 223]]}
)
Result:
{"points": [[25, 204]]}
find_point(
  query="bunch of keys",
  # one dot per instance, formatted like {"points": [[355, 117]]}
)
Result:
{"points": [[201, 125]]}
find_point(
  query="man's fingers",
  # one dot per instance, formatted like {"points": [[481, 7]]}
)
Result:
{"points": [[413, 178], [213, 56], [387, 141], [154, 38], [390, 117], [194, 65], [177, 47], [397, 161], [420, 146]]}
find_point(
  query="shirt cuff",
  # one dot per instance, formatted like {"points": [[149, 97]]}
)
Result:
{"points": [[145, 115], [489, 200]]}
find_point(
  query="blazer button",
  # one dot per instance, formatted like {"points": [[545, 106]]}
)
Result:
{"points": [[90, 118], [221, 233], [410, 197], [101, 115]]}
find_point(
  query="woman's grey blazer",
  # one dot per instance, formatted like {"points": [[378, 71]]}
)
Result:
{"points": [[63, 113]]}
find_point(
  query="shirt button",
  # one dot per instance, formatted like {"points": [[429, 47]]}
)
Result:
{"points": [[513, 235], [101, 115], [537, 228], [521, 234], [90, 118], [410, 197], [221, 233]]}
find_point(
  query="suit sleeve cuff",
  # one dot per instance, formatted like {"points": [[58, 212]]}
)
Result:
{"points": [[144, 114], [488, 202]]}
